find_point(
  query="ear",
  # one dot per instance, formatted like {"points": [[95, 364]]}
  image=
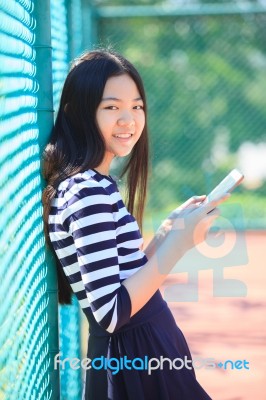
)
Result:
{"points": [[66, 107]]}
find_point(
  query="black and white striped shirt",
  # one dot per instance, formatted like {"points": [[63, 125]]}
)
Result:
{"points": [[98, 243]]}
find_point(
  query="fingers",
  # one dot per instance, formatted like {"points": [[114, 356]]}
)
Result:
{"points": [[183, 211], [203, 226], [216, 202], [215, 213], [201, 204], [191, 201]]}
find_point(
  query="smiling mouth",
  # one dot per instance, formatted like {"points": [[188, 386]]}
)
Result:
{"points": [[124, 135]]}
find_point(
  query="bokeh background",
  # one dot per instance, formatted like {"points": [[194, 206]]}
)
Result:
{"points": [[204, 68]]}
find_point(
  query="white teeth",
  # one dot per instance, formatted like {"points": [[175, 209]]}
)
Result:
{"points": [[124, 136]]}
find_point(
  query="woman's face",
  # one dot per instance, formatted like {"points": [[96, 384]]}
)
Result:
{"points": [[120, 118]]}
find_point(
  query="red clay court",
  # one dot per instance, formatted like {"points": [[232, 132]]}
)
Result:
{"points": [[229, 327]]}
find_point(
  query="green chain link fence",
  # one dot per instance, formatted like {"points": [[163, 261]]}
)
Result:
{"points": [[24, 330], [69, 325], [25, 363], [204, 71]]}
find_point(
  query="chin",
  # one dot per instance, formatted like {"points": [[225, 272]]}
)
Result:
{"points": [[123, 153]]}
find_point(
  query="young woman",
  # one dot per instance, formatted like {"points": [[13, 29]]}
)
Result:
{"points": [[97, 241]]}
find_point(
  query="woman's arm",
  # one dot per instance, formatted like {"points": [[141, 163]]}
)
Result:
{"points": [[188, 229], [88, 249]]}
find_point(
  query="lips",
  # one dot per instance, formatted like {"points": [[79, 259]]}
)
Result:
{"points": [[123, 135]]}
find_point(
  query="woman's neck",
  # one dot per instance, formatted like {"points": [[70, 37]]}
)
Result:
{"points": [[104, 167]]}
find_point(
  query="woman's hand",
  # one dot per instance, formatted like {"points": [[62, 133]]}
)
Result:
{"points": [[185, 227], [189, 205], [194, 217]]}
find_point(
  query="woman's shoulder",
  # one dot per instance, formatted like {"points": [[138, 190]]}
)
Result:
{"points": [[83, 194], [84, 184], [88, 178]]}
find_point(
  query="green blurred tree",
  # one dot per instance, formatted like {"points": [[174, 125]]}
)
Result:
{"points": [[205, 79]]}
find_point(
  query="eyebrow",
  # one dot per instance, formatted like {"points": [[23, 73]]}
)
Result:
{"points": [[115, 99]]}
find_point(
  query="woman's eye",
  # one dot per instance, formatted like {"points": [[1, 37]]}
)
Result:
{"points": [[111, 108], [139, 108]]}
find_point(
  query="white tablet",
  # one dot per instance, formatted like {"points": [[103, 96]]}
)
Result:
{"points": [[233, 179]]}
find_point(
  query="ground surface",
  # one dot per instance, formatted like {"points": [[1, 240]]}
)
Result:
{"points": [[228, 327]]}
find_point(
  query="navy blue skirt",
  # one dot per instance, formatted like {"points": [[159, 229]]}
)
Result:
{"points": [[151, 334]]}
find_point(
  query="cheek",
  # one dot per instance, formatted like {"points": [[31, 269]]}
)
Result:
{"points": [[104, 122], [140, 120]]}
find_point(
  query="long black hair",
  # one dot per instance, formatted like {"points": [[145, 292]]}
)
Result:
{"points": [[76, 144]]}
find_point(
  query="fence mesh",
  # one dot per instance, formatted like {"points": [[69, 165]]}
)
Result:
{"points": [[68, 315], [23, 317], [205, 79]]}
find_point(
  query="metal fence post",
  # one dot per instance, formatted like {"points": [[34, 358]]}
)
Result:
{"points": [[75, 27], [45, 122], [89, 25]]}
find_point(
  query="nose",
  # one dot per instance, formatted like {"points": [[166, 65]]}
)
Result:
{"points": [[126, 119]]}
